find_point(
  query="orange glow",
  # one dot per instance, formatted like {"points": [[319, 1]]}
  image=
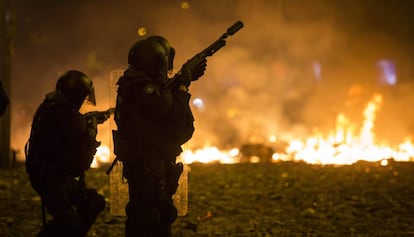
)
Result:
{"points": [[185, 5], [344, 145], [102, 155], [142, 31], [210, 154]]}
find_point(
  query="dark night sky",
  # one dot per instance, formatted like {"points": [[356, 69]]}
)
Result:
{"points": [[267, 63]]}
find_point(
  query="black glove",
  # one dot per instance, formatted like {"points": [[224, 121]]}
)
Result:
{"points": [[198, 70], [194, 69]]}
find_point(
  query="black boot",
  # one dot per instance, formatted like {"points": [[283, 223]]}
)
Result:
{"points": [[134, 230], [89, 211], [164, 230], [54, 229]]}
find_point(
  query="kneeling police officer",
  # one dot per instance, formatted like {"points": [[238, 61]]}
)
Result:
{"points": [[60, 149]]}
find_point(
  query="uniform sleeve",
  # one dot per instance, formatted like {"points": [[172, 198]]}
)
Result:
{"points": [[182, 120], [80, 144]]}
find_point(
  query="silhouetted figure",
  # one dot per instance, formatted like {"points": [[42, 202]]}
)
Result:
{"points": [[153, 121], [4, 100], [61, 147]]}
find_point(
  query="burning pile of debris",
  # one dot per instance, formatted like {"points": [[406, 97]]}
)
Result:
{"points": [[343, 146]]}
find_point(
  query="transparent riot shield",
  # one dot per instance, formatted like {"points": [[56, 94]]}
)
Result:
{"points": [[118, 187], [180, 197], [118, 191]]}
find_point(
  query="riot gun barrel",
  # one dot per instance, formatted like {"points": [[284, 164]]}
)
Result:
{"points": [[209, 51], [218, 44], [235, 27]]}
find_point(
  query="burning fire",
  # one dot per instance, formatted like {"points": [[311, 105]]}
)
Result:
{"points": [[343, 146], [102, 155], [211, 154]]}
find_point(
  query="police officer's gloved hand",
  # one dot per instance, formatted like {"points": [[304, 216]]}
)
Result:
{"points": [[198, 70], [194, 68]]}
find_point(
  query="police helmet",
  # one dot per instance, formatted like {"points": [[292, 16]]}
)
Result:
{"points": [[76, 87], [150, 57], [167, 47]]}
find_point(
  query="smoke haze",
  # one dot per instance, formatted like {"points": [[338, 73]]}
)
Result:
{"points": [[293, 67]]}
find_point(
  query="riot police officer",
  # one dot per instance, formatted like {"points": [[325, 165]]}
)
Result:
{"points": [[60, 149], [153, 121]]}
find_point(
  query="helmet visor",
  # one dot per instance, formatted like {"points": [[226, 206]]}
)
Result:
{"points": [[90, 97]]}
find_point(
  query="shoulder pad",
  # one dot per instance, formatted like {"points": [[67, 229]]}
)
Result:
{"points": [[131, 81], [150, 88]]}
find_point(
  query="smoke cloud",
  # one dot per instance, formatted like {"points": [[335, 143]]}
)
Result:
{"points": [[292, 68]]}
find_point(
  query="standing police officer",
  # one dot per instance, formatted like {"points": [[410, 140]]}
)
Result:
{"points": [[61, 147], [153, 121]]}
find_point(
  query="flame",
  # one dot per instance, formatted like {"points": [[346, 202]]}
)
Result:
{"points": [[341, 147], [344, 147], [102, 155], [210, 154]]}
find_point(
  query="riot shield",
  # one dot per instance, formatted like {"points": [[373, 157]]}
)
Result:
{"points": [[118, 186], [118, 192]]}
